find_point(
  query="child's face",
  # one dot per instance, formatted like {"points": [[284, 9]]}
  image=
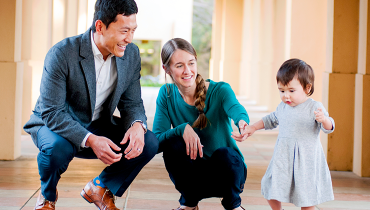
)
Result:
{"points": [[293, 93]]}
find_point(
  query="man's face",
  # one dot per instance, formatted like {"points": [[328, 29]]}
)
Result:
{"points": [[118, 35]]}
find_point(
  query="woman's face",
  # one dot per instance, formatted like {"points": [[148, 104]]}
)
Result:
{"points": [[183, 68]]}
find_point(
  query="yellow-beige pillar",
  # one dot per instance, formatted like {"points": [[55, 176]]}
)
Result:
{"points": [[56, 19], [231, 17], [308, 37], [339, 80], [214, 62], [11, 79], [361, 153], [267, 73], [36, 41], [280, 52]]}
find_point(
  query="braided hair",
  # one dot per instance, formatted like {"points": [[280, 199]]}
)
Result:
{"points": [[167, 51]]}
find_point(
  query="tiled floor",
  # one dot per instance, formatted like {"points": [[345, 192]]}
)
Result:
{"points": [[152, 189]]}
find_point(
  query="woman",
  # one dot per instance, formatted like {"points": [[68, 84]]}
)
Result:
{"points": [[200, 156]]}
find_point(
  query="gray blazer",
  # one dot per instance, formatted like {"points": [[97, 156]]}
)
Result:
{"points": [[68, 90]]}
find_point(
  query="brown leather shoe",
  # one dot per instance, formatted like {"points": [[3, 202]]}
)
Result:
{"points": [[102, 197], [195, 208], [44, 204]]}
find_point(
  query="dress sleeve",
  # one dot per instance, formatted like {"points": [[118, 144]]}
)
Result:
{"points": [[231, 105], [319, 105], [270, 121], [162, 121]]}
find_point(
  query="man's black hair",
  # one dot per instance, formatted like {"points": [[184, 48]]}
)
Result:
{"points": [[107, 10]]}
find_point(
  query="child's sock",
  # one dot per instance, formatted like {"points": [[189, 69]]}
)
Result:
{"points": [[98, 182]]}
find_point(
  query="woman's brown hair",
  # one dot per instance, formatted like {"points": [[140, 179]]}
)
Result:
{"points": [[296, 68], [167, 51]]}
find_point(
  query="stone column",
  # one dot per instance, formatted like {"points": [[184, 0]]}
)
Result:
{"points": [[255, 52], [308, 37], [361, 152], [214, 62], [340, 79], [231, 39], [227, 40], [36, 41], [280, 25], [11, 79], [247, 51]]}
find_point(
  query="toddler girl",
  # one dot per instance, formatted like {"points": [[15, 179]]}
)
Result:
{"points": [[298, 172]]}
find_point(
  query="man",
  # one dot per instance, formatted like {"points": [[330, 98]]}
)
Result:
{"points": [[84, 79]]}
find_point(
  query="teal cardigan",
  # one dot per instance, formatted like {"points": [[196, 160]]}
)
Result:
{"points": [[221, 106]]}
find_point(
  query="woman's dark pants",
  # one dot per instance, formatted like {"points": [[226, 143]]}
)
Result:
{"points": [[56, 153], [221, 175]]}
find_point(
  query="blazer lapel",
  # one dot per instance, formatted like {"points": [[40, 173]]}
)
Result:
{"points": [[88, 67], [121, 65]]}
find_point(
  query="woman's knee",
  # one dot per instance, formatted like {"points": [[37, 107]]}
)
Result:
{"points": [[174, 151], [228, 159], [174, 145]]}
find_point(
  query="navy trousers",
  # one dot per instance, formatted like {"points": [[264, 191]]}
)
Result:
{"points": [[222, 175], [56, 153]]}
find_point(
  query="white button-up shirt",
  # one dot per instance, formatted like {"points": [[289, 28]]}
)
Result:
{"points": [[106, 80]]}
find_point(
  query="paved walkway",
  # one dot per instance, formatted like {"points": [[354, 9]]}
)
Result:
{"points": [[152, 189]]}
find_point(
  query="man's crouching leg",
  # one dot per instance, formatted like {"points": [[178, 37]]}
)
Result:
{"points": [[53, 159], [117, 177]]}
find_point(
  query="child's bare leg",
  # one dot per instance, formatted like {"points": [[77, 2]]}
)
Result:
{"points": [[274, 204], [308, 208]]}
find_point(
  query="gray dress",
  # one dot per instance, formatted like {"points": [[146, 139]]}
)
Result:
{"points": [[298, 172]]}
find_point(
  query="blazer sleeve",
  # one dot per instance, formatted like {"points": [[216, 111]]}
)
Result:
{"points": [[53, 94], [130, 104]]}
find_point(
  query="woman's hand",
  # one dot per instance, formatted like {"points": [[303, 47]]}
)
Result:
{"points": [[242, 126], [240, 136], [247, 132], [192, 143]]}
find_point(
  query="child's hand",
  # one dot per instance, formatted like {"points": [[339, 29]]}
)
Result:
{"points": [[319, 116]]}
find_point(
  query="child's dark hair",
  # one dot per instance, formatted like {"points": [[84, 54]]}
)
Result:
{"points": [[107, 10], [296, 68]]}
